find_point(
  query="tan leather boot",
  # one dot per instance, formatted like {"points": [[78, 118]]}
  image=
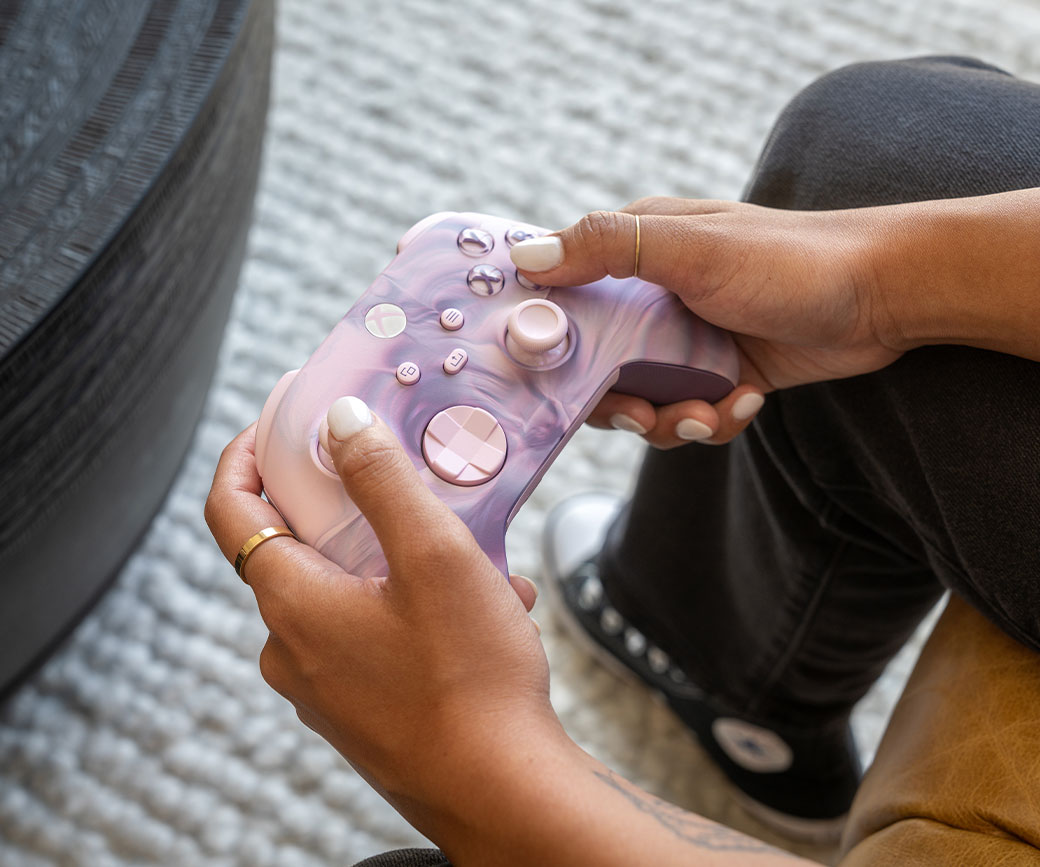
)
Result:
{"points": [[956, 780]]}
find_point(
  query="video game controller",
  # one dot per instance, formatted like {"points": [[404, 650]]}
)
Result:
{"points": [[481, 374]]}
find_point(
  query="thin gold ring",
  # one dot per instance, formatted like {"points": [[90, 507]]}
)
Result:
{"points": [[635, 271], [254, 542]]}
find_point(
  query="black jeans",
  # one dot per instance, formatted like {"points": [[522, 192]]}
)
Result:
{"points": [[784, 570]]}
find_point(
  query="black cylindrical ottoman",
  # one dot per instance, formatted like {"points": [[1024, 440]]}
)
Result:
{"points": [[129, 150]]}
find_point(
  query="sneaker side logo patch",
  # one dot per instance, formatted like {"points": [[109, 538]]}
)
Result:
{"points": [[752, 747]]}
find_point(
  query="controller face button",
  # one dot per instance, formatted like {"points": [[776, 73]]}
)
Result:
{"points": [[455, 361], [464, 445], [485, 280], [528, 283], [385, 320], [475, 242], [408, 373], [452, 319], [516, 234]]}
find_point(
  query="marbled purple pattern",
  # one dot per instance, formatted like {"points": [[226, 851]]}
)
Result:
{"points": [[612, 322]]}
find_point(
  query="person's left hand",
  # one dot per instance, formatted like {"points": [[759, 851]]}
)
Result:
{"points": [[423, 679]]}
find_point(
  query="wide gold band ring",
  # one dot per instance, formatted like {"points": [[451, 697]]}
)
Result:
{"points": [[254, 542]]}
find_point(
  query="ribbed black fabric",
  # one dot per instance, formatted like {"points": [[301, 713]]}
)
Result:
{"points": [[407, 858], [129, 153]]}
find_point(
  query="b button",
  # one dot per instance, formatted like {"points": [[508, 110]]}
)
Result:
{"points": [[516, 234]]}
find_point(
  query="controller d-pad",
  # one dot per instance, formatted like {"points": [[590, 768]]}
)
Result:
{"points": [[464, 445]]}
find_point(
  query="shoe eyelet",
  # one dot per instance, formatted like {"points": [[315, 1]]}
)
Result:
{"points": [[611, 622], [590, 595], [635, 642], [658, 660]]}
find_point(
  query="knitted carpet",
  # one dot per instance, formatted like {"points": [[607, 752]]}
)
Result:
{"points": [[150, 738]]}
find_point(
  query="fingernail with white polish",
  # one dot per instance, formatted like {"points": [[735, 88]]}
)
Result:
{"points": [[691, 429], [347, 416], [747, 405], [620, 421], [537, 254], [527, 581]]}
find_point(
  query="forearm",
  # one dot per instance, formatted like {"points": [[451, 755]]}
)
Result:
{"points": [[963, 271], [560, 807]]}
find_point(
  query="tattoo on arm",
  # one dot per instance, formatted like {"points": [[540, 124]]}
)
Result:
{"points": [[689, 827]]}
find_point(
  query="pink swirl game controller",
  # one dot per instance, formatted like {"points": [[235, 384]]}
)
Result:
{"points": [[482, 375]]}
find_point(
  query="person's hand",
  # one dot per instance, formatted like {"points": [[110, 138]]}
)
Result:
{"points": [[423, 678], [794, 287], [432, 682]]}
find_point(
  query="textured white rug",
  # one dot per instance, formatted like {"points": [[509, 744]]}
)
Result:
{"points": [[150, 738]]}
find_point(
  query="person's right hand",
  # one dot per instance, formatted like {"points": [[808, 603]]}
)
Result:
{"points": [[795, 288]]}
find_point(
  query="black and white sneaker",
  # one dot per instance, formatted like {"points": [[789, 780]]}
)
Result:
{"points": [[799, 783]]}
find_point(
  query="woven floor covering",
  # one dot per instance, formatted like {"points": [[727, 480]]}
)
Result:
{"points": [[150, 738]]}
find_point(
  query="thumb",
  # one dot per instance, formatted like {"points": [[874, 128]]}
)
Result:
{"points": [[609, 243], [411, 524]]}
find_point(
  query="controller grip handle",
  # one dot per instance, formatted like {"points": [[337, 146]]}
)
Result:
{"points": [[662, 383]]}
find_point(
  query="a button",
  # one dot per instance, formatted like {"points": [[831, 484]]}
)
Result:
{"points": [[385, 320], [455, 361], [485, 280], [517, 234], [475, 242], [529, 284], [452, 319], [408, 373], [464, 445]]}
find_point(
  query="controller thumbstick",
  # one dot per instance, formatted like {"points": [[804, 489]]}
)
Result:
{"points": [[536, 333]]}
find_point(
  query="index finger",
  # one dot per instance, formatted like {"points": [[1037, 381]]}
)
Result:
{"points": [[235, 512]]}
